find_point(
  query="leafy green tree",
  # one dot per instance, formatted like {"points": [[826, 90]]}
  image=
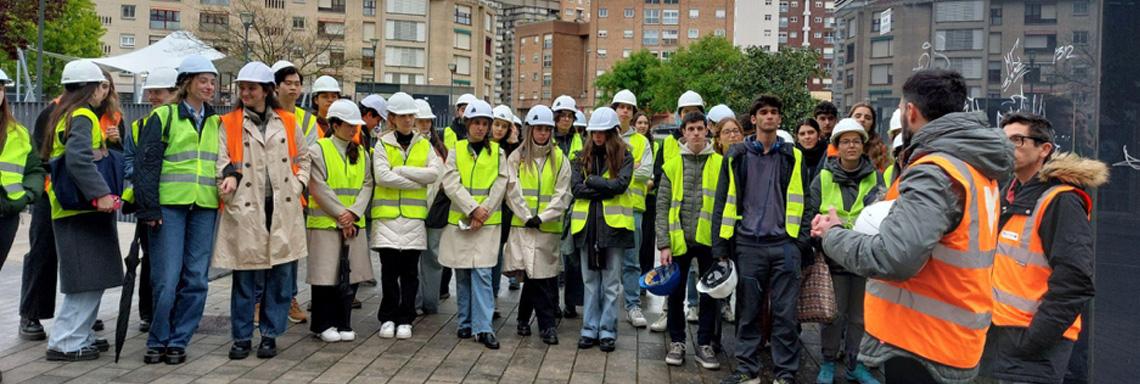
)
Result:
{"points": [[705, 67], [784, 74], [71, 28], [631, 73]]}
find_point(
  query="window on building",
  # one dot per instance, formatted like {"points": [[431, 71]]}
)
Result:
{"points": [[369, 7], [882, 48], [407, 7], [694, 13], [652, 16], [488, 22], [881, 74], [1040, 13], [652, 1], [330, 29], [603, 34], [336, 56], [952, 11], [650, 37], [298, 22], [628, 34], [669, 37], [1042, 44], [547, 60], [1080, 8], [671, 17], [367, 58], [719, 32], [462, 65], [547, 41], [876, 22], [720, 14], [602, 53], [850, 53], [970, 68], [794, 19], [995, 15], [217, 2], [128, 11], [127, 40], [463, 14], [603, 12], [105, 20], [783, 22], [850, 79], [626, 52], [272, 4], [331, 6], [958, 40], [629, 13], [994, 72], [213, 21], [165, 19], [995, 43], [1080, 37], [768, 17], [817, 20], [547, 80], [463, 40], [818, 35], [694, 33], [405, 30], [672, 1]]}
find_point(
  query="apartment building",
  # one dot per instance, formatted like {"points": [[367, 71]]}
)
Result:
{"points": [[551, 62], [762, 29], [810, 24], [514, 13]]}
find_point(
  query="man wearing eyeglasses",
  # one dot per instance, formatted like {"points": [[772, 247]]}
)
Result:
{"points": [[1042, 271]]}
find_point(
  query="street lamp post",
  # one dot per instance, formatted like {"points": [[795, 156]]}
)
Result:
{"points": [[372, 86], [452, 67], [246, 22]]}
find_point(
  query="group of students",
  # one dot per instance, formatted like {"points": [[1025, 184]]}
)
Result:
{"points": [[539, 201]]}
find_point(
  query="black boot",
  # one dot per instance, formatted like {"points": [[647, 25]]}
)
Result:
{"points": [[154, 355], [267, 349], [523, 329], [102, 345], [240, 350], [550, 336], [488, 339], [32, 330], [175, 356]]}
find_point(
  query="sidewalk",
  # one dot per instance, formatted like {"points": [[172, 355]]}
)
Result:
{"points": [[433, 354]]}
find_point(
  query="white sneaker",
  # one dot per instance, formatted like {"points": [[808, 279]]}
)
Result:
{"points": [[692, 315], [347, 335], [388, 330], [661, 324], [330, 335], [404, 331], [636, 318]]}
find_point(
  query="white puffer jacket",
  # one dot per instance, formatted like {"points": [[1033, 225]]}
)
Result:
{"points": [[401, 233]]}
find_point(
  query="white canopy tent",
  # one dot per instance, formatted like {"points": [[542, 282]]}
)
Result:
{"points": [[167, 52]]}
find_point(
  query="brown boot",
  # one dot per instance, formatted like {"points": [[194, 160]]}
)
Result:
{"points": [[296, 314]]}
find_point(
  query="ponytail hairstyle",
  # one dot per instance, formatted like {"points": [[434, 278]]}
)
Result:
{"points": [[75, 96], [353, 150], [614, 150]]}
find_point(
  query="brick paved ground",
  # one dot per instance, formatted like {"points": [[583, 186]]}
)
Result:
{"points": [[433, 354]]}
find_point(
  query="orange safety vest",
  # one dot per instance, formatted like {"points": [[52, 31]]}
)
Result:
{"points": [[1021, 272], [943, 312], [233, 122]]}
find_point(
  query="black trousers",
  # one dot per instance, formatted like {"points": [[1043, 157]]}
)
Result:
{"points": [[146, 291], [906, 370], [648, 250], [445, 280], [399, 282], [331, 309], [709, 308], [8, 227], [41, 265], [541, 297], [574, 290]]}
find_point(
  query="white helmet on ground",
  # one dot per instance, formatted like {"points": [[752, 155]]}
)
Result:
{"points": [[719, 112], [256, 72], [603, 119], [326, 83], [626, 97], [690, 99], [465, 98], [402, 104], [346, 111], [81, 71], [161, 78], [478, 108], [872, 217], [540, 115], [564, 103], [847, 125], [423, 110]]}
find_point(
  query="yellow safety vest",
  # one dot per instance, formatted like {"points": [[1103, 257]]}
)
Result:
{"points": [[478, 174], [189, 170], [390, 203], [889, 176], [449, 138], [618, 212], [794, 198], [637, 189], [12, 161], [306, 119], [58, 149], [671, 148], [538, 189], [710, 180], [832, 196], [344, 179]]}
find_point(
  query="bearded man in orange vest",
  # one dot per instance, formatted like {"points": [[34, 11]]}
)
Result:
{"points": [[1043, 268], [929, 296]]}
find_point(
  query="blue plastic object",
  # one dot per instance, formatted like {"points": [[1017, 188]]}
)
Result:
{"points": [[661, 280]]}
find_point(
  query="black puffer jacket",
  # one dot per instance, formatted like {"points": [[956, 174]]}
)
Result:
{"points": [[588, 184]]}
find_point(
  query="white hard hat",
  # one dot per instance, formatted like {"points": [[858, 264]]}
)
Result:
{"points": [[540, 115], [896, 121], [478, 108], [161, 78], [785, 135], [502, 112], [690, 99], [624, 96], [326, 83], [872, 216], [256, 72], [580, 119], [377, 103], [423, 110], [346, 111], [603, 119], [465, 98], [402, 104], [81, 71], [4, 77], [897, 143], [517, 121], [196, 64], [720, 112], [281, 64], [564, 103], [847, 125], [720, 281]]}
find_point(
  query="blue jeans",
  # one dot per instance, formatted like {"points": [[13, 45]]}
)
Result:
{"points": [[473, 288], [430, 273], [631, 267], [180, 251], [72, 328], [599, 308], [276, 285]]}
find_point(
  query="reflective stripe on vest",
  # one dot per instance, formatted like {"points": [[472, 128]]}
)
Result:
{"points": [[306, 118], [58, 149], [343, 178], [478, 174], [710, 181], [832, 196], [538, 189], [637, 145], [794, 198], [189, 164], [390, 203], [17, 146], [1021, 271], [616, 211], [942, 313]]}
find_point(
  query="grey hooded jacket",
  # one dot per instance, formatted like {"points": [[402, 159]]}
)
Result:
{"points": [[923, 213], [692, 168]]}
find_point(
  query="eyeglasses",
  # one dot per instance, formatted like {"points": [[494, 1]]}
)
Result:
{"points": [[730, 131], [850, 142], [1019, 140]]}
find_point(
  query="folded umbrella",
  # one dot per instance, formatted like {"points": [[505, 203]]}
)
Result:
{"points": [[123, 321]]}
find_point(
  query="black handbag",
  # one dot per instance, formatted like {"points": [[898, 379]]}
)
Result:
{"points": [[67, 193]]}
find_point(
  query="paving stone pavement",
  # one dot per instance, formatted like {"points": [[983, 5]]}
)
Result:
{"points": [[432, 355]]}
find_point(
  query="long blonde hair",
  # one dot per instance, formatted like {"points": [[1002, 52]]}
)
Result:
{"points": [[527, 149]]}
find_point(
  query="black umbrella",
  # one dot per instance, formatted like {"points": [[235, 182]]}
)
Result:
{"points": [[123, 322], [342, 280]]}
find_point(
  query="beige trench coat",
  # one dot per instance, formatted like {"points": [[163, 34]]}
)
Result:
{"points": [[243, 242], [471, 249], [401, 233], [325, 244], [528, 249]]}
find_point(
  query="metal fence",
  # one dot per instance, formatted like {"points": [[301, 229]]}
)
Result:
{"points": [[26, 112]]}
